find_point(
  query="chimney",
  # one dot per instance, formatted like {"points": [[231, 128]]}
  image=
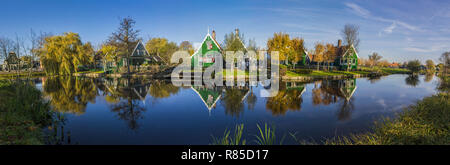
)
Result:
{"points": [[339, 43], [214, 34], [237, 32]]}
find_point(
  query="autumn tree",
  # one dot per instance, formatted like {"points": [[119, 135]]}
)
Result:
{"points": [[330, 53], [414, 66], [431, 67], [319, 52], [65, 53], [161, 47], [280, 42], [125, 38], [383, 63], [297, 48], [187, 46], [110, 53], [350, 34]]}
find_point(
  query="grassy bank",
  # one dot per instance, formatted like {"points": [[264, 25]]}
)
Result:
{"points": [[7, 75], [23, 113], [425, 123], [93, 71], [318, 73]]}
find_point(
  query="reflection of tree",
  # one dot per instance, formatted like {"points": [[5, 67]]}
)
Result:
{"points": [[325, 95], [130, 111], [127, 93], [345, 110], [161, 89], [412, 80], [374, 79], [428, 77], [251, 99], [288, 99], [232, 101], [70, 94]]}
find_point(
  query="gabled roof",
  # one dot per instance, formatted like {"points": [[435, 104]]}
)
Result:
{"points": [[351, 46], [155, 57], [307, 55], [204, 39]]}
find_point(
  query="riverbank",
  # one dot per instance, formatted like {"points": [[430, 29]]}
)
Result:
{"points": [[23, 114], [308, 74], [425, 123], [9, 75]]}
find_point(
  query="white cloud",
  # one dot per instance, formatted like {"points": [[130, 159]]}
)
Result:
{"points": [[360, 11], [433, 48], [415, 49], [389, 29]]}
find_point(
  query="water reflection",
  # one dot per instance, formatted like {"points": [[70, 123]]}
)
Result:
{"points": [[127, 97], [233, 100], [288, 98], [209, 95], [336, 91], [70, 94], [428, 77], [169, 112], [412, 80]]}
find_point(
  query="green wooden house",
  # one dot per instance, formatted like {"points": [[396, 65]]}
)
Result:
{"points": [[347, 58], [204, 55], [306, 59], [141, 56], [138, 56]]}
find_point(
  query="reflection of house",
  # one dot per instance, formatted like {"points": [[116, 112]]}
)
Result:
{"points": [[209, 96], [341, 88], [296, 86], [347, 87]]}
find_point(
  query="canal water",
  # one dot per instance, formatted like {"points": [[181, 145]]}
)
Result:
{"points": [[145, 111]]}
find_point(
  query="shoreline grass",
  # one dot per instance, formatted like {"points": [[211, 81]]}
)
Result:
{"points": [[425, 123], [6, 75], [23, 114]]}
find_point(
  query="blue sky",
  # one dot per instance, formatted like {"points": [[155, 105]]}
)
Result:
{"points": [[399, 30]]}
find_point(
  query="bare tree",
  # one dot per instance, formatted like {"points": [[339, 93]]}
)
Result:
{"points": [[374, 58], [6, 46], [19, 50], [350, 35], [125, 38]]}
